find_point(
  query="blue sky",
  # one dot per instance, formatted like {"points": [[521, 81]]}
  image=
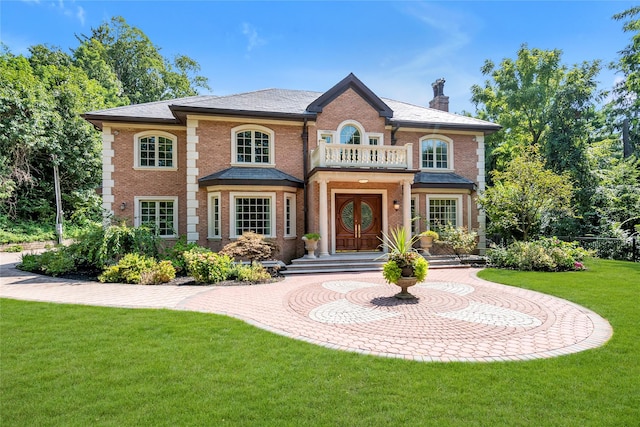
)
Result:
{"points": [[396, 48]]}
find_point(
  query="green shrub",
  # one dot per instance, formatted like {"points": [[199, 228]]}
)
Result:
{"points": [[208, 267], [545, 254], [129, 269], [14, 248], [162, 272], [175, 253], [30, 262], [122, 239], [250, 247], [254, 273], [56, 262], [459, 239]]}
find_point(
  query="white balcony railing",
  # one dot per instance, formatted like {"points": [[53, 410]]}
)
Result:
{"points": [[367, 156]]}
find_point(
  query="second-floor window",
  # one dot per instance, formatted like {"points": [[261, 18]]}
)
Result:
{"points": [[435, 154], [350, 135], [253, 145], [155, 150]]}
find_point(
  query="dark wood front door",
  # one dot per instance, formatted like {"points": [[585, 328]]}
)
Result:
{"points": [[358, 222]]}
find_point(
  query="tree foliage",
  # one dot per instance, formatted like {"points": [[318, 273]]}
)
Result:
{"points": [[144, 74], [526, 197], [42, 98], [627, 92]]}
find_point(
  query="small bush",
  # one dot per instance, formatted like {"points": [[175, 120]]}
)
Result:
{"points": [[545, 254], [162, 272], [459, 239], [122, 239], [31, 263], [56, 262], [175, 253], [250, 247], [129, 269], [208, 267], [254, 273], [14, 248]]}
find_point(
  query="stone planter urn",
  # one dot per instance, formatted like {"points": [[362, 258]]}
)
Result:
{"points": [[426, 240], [404, 283], [310, 244]]}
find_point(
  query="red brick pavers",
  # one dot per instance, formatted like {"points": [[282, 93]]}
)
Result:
{"points": [[457, 317]]}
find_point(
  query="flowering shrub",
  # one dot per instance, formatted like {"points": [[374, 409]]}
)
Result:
{"points": [[253, 273], [545, 254], [459, 239], [208, 267], [137, 268]]}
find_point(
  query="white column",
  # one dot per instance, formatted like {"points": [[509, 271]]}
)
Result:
{"points": [[192, 181], [406, 206], [482, 237], [324, 219], [107, 179]]}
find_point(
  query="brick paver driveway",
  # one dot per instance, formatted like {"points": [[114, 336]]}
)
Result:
{"points": [[457, 317]]}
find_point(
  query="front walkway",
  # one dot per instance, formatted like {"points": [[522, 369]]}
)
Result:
{"points": [[457, 317]]}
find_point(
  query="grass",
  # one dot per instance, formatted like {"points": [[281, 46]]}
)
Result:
{"points": [[78, 365]]}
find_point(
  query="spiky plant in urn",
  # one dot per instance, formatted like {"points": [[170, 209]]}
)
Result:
{"points": [[405, 266]]}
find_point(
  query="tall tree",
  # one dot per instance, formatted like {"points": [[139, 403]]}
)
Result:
{"points": [[627, 92], [526, 197], [144, 73], [534, 98]]}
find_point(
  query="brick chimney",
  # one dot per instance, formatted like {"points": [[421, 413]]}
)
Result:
{"points": [[439, 101]]}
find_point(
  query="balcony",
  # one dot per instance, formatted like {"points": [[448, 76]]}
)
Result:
{"points": [[362, 156]]}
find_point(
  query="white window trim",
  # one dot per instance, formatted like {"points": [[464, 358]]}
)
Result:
{"points": [[259, 195], [136, 150], [364, 135], [136, 210], [272, 146], [210, 215], [292, 198], [331, 133], [378, 135], [459, 206], [450, 157], [355, 124]]}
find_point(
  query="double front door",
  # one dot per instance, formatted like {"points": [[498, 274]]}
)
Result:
{"points": [[358, 222]]}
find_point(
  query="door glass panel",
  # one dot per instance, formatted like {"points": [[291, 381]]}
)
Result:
{"points": [[347, 216], [366, 215]]}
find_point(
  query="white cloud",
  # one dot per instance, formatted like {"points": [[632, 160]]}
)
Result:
{"points": [[253, 39], [80, 15]]}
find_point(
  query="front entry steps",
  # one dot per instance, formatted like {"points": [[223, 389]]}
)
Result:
{"points": [[361, 261]]}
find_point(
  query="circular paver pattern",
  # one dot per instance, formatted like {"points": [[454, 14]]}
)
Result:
{"points": [[456, 316]]}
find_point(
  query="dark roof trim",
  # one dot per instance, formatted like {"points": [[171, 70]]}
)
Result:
{"points": [[97, 119], [181, 112], [487, 129], [351, 81], [442, 180], [466, 186], [251, 176]]}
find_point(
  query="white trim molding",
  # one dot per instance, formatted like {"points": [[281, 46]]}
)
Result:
{"points": [[157, 133], [253, 127], [107, 180], [459, 206], [214, 214], [450, 165], [192, 181], [252, 195], [173, 199]]}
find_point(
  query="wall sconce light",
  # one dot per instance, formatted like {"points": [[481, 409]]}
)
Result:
{"points": [[123, 206], [363, 181], [396, 205], [116, 132]]}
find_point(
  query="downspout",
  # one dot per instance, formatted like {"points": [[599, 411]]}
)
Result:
{"points": [[305, 172]]}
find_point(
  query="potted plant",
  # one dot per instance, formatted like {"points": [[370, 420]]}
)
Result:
{"points": [[426, 240], [311, 244], [405, 266]]}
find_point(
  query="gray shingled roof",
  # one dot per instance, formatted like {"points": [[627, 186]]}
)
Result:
{"points": [[250, 176], [276, 102], [441, 180]]}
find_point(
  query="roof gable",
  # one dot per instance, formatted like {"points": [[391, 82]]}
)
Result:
{"points": [[351, 82]]}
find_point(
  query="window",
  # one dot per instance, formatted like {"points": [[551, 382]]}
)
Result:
{"points": [[160, 213], [155, 150], [289, 215], [415, 218], [253, 212], [349, 135], [436, 154], [214, 215], [443, 212], [253, 145], [374, 140]]}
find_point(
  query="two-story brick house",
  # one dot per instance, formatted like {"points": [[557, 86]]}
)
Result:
{"points": [[344, 163]]}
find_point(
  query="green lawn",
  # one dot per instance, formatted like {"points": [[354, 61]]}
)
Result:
{"points": [[79, 366]]}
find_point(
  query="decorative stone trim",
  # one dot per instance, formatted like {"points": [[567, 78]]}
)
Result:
{"points": [[192, 181]]}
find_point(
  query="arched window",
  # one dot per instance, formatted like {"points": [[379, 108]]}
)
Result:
{"points": [[155, 150], [436, 153], [252, 144], [350, 135]]}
